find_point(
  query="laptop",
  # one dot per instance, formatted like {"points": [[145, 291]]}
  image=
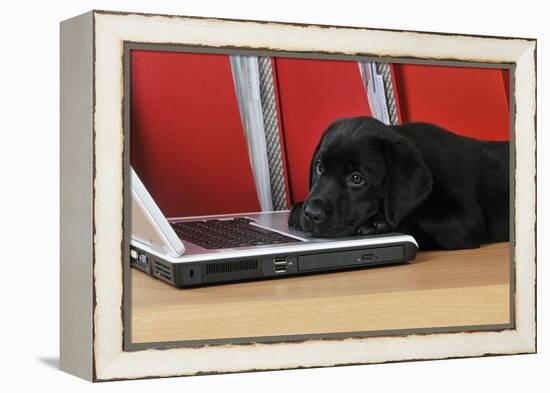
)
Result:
{"points": [[193, 251]]}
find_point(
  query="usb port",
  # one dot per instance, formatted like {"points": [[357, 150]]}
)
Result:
{"points": [[280, 264]]}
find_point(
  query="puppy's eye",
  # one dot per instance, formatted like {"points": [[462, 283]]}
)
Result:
{"points": [[319, 169], [357, 179]]}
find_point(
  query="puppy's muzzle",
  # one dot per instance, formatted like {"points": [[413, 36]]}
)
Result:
{"points": [[314, 211]]}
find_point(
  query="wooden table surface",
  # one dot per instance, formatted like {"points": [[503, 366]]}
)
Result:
{"points": [[440, 289]]}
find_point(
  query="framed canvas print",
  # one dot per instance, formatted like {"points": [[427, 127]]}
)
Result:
{"points": [[245, 195]]}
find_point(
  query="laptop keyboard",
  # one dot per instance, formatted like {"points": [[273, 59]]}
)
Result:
{"points": [[236, 232]]}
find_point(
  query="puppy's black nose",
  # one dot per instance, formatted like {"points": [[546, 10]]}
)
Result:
{"points": [[314, 212]]}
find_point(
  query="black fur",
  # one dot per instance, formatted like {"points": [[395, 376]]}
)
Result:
{"points": [[447, 191]]}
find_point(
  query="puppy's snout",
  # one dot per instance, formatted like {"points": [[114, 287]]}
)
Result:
{"points": [[314, 211]]}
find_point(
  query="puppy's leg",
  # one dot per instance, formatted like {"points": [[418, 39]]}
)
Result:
{"points": [[374, 225], [453, 221], [294, 216]]}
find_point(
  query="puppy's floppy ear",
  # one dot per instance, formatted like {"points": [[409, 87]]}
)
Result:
{"points": [[408, 178]]}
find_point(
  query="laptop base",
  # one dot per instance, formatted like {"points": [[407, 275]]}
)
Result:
{"points": [[225, 270]]}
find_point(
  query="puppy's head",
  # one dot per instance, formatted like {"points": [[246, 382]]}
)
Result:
{"points": [[359, 168]]}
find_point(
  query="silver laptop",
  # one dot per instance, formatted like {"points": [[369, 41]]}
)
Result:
{"points": [[193, 251]]}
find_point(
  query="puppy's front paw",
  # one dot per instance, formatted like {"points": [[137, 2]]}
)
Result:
{"points": [[374, 226], [294, 216], [366, 229], [381, 224]]}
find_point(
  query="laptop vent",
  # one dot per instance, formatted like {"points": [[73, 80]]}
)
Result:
{"points": [[232, 266], [162, 270]]}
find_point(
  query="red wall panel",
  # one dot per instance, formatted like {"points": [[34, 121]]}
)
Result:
{"points": [[468, 101], [312, 94], [187, 142]]}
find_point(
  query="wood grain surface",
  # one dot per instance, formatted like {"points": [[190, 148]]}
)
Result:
{"points": [[440, 289]]}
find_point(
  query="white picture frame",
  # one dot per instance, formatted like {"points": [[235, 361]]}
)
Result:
{"points": [[93, 188]]}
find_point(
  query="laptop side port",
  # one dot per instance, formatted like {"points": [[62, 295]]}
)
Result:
{"points": [[140, 260], [280, 264]]}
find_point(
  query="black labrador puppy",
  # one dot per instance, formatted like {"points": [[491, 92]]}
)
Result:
{"points": [[447, 191]]}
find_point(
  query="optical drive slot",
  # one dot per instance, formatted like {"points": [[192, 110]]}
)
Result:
{"points": [[372, 256]]}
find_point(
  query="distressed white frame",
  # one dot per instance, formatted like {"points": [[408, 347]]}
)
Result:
{"points": [[109, 361]]}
